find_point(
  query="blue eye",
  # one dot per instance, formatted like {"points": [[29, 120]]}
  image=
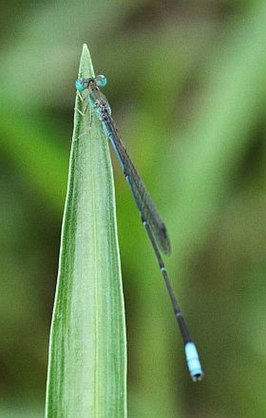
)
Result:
{"points": [[80, 85], [101, 80]]}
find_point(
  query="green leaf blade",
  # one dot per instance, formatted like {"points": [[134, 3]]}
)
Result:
{"points": [[87, 356]]}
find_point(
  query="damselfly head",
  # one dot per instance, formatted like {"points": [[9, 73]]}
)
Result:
{"points": [[83, 83]]}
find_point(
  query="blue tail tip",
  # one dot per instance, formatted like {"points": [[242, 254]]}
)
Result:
{"points": [[193, 362]]}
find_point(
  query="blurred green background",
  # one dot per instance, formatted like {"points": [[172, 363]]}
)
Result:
{"points": [[187, 88]]}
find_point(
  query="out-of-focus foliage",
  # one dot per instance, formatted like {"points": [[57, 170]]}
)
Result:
{"points": [[187, 89]]}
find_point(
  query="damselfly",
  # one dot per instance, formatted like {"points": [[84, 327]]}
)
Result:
{"points": [[150, 217]]}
